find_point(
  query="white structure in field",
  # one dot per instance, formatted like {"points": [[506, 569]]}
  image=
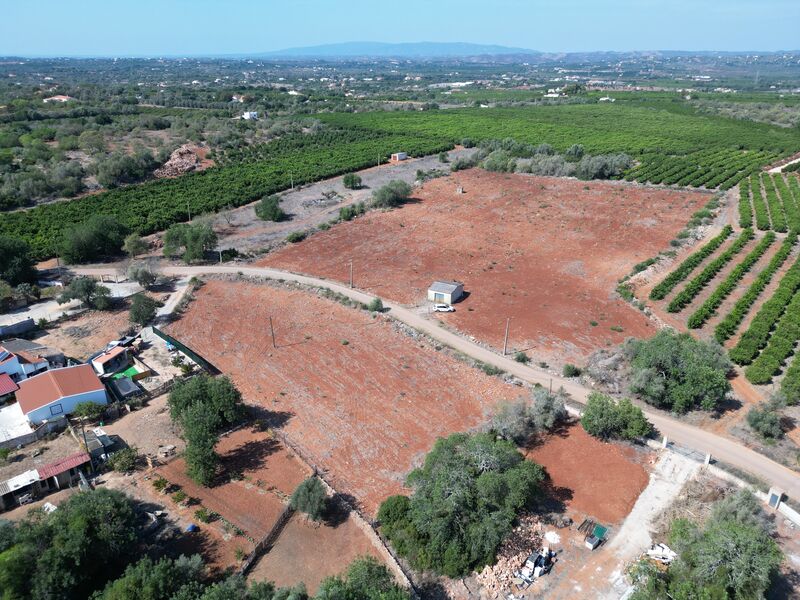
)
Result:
{"points": [[250, 115], [445, 292]]}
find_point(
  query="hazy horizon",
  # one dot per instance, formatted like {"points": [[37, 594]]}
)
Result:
{"points": [[205, 28]]}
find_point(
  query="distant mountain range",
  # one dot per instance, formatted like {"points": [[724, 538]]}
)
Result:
{"points": [[402, 50]]}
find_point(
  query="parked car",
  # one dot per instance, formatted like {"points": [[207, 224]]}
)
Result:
{"points": [[443, 308]]}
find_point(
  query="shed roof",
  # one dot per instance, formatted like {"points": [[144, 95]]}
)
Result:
{"points": [[7, 384], [18, 481], [445, 287], [65, 464], [109, 354], [55, 384]]}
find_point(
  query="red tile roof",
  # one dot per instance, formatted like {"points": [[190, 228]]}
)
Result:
{"points": [[7, 384], [109, 354], [55, 384], [65, 464]]}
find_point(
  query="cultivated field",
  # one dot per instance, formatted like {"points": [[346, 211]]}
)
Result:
{"points": [[546, 252], [363, 401]]}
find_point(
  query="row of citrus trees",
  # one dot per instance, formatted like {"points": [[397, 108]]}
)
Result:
{"points": [[774, 200], [156, 205]]}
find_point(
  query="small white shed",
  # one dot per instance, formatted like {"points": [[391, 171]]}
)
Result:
{"points": [[398, 156], [445, 292]]}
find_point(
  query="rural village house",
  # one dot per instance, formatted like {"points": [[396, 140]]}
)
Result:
{"points": [[55, 393]]}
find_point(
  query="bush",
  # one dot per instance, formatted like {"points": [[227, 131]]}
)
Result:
{"points": [[677, 372], [350, 212], [179, 496], [549, 408], [269, 209], [195, 240], [351, 181], [203, 515], [296, 236], [513, 420], [89, 410], [765, 419], [142, 275], [466, 497], [99, 237], [124, 461], [571, 370], [143, 309], [392, 194], [375, 305], [521, 357], [160, 484], [310, 498], [606, 419], [134, 245]]}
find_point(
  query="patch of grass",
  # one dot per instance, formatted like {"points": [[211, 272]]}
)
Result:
{"points": [[296, 236], [617, 328]]}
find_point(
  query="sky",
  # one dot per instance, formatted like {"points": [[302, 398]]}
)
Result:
{"points": [[208, 28]]}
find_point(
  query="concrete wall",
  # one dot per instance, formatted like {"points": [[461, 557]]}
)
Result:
{"points": [[67, 405]]}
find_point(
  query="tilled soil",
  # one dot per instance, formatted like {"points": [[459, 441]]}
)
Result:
{"points": [[362, 401], [545, 252], [594, 479]]}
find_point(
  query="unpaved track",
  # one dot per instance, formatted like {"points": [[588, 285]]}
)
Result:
{"points": [[719, 447]]}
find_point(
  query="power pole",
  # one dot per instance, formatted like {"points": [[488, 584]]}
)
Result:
{"points": [[220, 257], [291, 180], [351, 274], [505, 339], [272, 331], [189, 210]]}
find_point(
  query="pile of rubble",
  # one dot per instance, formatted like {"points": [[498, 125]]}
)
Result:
{"points": [[182, 160], [526, 538]]}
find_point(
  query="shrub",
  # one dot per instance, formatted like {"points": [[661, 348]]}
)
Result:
{"points": [[99, 237], [141, 274], [549, 408], [89, 410], [351, 181], [203, 515], [195, 239], [179, 496], [350, 212], [465, 499], [16, 263], [134, 245], [269, 209], [607, 419], [376, 305], [160, 484], [765, 420], [88, 291], [521, 357], [310, 498], [4, 454], [143, 309], [124, 461], [513, 420], [677, 372], [571, 370], [296, 236], [392, 194]]}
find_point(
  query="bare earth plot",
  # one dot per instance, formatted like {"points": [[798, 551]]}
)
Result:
{"points": [[79, 337], [364, 402], [546, 252], [309, 552]]}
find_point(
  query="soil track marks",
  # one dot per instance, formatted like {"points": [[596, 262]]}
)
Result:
{"points": [[547, 252]]}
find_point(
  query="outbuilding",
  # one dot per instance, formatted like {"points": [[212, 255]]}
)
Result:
{"points": [[398, 156], [445, 292], [57, 392]]}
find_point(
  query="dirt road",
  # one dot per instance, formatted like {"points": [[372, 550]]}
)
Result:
{"points": [[719, 447]]}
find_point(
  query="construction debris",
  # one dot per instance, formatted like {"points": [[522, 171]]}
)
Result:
{"points": [[662, 553], [183, 160], [501, 578]]}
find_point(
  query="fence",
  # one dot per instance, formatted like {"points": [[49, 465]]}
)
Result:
{"points": [[207, 366], [56, 424], [264, 544]]}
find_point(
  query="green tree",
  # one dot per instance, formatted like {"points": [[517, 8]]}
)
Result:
{"points": [[513, 420], [218, 395], [392, 194], [604, 418], [549, 408], [310, 498], [88, 291], [201, 438], [765, 418], [366, 579], [89, 410], [134, 245], [269, 209], [466, 497], [124, 461], [16, 264], [351, 181], [195, 240], [143, 309], [677, 372], [100, 236], [142, 275], [149, 580]]}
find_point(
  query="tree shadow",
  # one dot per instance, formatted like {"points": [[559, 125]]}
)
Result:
{"points": [[250, 456], [337, 510], [432, 589], [784, 585], [269, 419], [560, 429], [554, 498], [729, 404]]}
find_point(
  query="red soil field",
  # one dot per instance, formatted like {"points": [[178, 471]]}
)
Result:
{"points": [[268, 474], [598, 479], [365, 411], [309, 552], [546, 252]]}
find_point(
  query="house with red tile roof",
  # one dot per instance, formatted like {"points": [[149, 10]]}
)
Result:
{"points": [[57, 392]]}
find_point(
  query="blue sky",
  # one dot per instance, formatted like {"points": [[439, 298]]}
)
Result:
{"points": [[205, 27]]}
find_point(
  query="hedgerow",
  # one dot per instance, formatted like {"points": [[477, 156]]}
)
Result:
{"points": [[702, 314], [687, 266], [728, 326], [745, 209], [776, 213], [696, 285], [760, 208], [790, 384], [757, 335], [780, 347]]}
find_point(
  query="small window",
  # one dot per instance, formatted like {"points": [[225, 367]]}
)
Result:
{"points": [[56, 409]]}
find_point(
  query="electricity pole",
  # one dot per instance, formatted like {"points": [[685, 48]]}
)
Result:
{"points": [[351, 274], [189, 210], [272, 331], [505, 339]]}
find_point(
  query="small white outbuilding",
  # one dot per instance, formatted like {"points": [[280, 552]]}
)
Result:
{"points": [[445, 292]]}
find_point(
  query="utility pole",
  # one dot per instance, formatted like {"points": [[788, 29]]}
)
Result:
{"points": [[505, 339], [189, 210], [272, 331], [291, 180], [220, 257], [351, 274]]}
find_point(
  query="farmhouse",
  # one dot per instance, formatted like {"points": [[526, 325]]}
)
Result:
{"points": [[39, 481], [20, 359], [446, 292], [57, 392]]}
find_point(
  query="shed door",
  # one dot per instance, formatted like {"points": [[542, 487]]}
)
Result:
{"points": [[438, 297]]}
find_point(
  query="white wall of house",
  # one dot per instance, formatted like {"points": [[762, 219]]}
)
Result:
{"points": [[66, 405], [19, 371]]}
